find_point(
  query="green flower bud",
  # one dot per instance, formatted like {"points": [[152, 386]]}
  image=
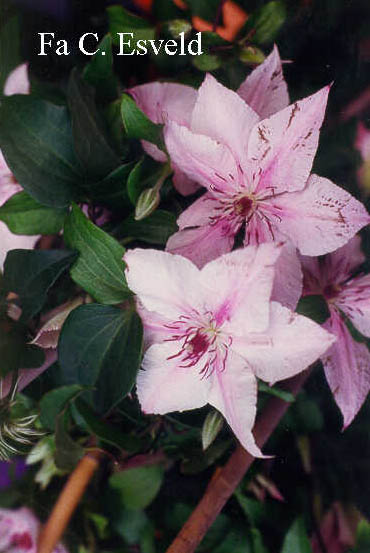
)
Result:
{"points": [[147, 203], [178, 26], [251, 54]]}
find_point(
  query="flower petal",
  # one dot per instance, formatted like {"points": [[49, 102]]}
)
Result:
{"points": [[288, 279], [202, 244], [163, 386], [165, 283], [283, 146], [234, 394], [239, 287], [165, 101], [17, 82], [26, 376], [320, 218], [265, 89], [354, 301], [222, 115], [202, 159], [347, 369], [295, 342], [8, 184]]}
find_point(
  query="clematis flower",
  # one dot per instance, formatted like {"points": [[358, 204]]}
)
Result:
{"points": [[264, 90], [347, 362], [19, 530], [16, 83], [257, 176], [211, 333], [363, 146]]}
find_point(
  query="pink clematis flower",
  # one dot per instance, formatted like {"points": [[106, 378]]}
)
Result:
{"points": [[19, 531], [16, 83], [265, 90], [363, 146], [347, 363], [211, 333], [257, 176]]}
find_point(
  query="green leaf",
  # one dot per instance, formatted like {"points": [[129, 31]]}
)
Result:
{"points": [[30, 274], [99, 72], [15, 350], [314, 307], [212, 425], [138, 125], [68, 452], [266, 22], [257, 542], [297, 539], [362, 537], [252, 509], [101, 346], [99, 269], [207, 62], [112, 190], [137, 486], [106, 432], [155, 229], [25, 215], [277, 392], [54, 401], [36, 140], [122, 21], [90, 142]]}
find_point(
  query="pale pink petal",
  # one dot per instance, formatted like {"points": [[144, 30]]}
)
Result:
{"points": [[165, 283], [202, 244], [19, 530], [283, 147], [354, 301], [234, 394], [202, 159], [347, 369], [222, 115], [8, 184], [163, 386], [18, 82], [200, 212], [320, 218], [314, 281], [288, 281], [182, 183], [239, 286], [165, 101], [26, 376], [10, 241], [153, 151], [294, 343], [155, 325], [265, 89]]}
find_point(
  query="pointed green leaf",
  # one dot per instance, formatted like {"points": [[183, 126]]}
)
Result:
{"points": [[99, 269], [36, 140], [137, 486], [54, 401], [30, 273], [90, 141], [99, 72], [101, 346], [155, 229], [68, 452], [297, 539], [137, 124], [25, 215], [122, 21]]}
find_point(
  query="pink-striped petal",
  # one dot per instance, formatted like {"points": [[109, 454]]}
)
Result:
{"points": [[354, 301], [223, 116], [201, 158], [234, 394], [347, 369], [283, 147], [165, 283], [164, 386], [293, 343], [265, 89], [320, 218]]}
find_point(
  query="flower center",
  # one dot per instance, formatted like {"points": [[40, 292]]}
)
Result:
{"points": [[243, 206], [23, 541], [331, 291]]}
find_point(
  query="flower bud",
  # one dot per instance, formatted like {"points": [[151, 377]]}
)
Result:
{"points": [[147, 203], [251, 54], [178, 26], [211, 427]]}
